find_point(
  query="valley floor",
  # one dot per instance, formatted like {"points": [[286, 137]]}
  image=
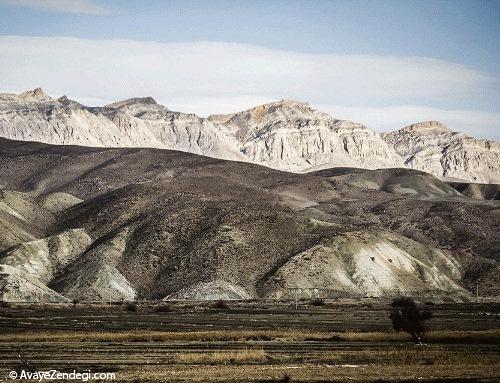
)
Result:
{"points": [[251, 341]]}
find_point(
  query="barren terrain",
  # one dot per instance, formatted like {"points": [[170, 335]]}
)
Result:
{"points": [[123, 224], [252, 342]]}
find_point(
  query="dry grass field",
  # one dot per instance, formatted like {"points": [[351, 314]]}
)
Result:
{"points": [[251, 342]]}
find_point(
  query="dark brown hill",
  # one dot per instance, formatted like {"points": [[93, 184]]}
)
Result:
{"points": [[148, 223], [478, 191]]}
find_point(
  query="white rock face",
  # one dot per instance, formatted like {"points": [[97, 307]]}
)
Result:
{"points": [[17, 286], [364, 264], [95, 276], [140, 122], [45, 258], [285, 135], [289, 135], [432, 147]]}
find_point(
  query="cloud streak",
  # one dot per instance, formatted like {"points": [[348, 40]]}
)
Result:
{"points": [[64, 6], [207, 77]]}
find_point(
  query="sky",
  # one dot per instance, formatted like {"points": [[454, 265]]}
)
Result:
{"points": [[386, 64]]}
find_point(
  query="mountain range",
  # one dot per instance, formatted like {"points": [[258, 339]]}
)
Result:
{"points": [[139, 202], [285, 135]]}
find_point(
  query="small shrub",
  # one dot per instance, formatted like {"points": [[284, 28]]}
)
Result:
{"points": [[285, 378], [317, 302], [407, 316], [75, 302], [221, 305], [131, 306]]}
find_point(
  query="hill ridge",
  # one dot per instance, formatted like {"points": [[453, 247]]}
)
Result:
{"points": [[287, 135]]}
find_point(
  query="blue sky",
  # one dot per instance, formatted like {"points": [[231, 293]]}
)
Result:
{"points": [[383, 63]]}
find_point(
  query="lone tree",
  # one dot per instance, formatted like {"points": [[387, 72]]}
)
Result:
{"points": [[407, 316]]}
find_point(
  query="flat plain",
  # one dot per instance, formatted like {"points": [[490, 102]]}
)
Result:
{"points": [[256, 341]]}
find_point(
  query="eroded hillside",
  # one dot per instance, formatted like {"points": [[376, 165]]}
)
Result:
{"points": [[99, 224]]}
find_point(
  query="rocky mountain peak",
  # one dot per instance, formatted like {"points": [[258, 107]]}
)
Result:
{"points": [[67, 102], [287, 103], [431, 147], [133, 101], [426, 127], [63, 99], [278, 112], [282, 108], [291, 135], [36, 94]]}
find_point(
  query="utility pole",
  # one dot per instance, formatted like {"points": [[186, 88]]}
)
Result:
{"points": [[478, 281]]}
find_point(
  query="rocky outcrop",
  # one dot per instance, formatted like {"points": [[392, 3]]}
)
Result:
{"points": [[17, 286], [138, 122], [432, 147], [292, 136], [95, 276], [45, 258], [364, 263], [21, 218]]}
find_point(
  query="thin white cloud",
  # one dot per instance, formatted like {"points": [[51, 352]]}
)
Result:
{"points": [[205, 78], [65, 6]]}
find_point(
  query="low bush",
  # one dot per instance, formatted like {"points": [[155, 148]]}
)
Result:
{"points": [[406, 315], [221, 305], [317, 302], [131, 306]]}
